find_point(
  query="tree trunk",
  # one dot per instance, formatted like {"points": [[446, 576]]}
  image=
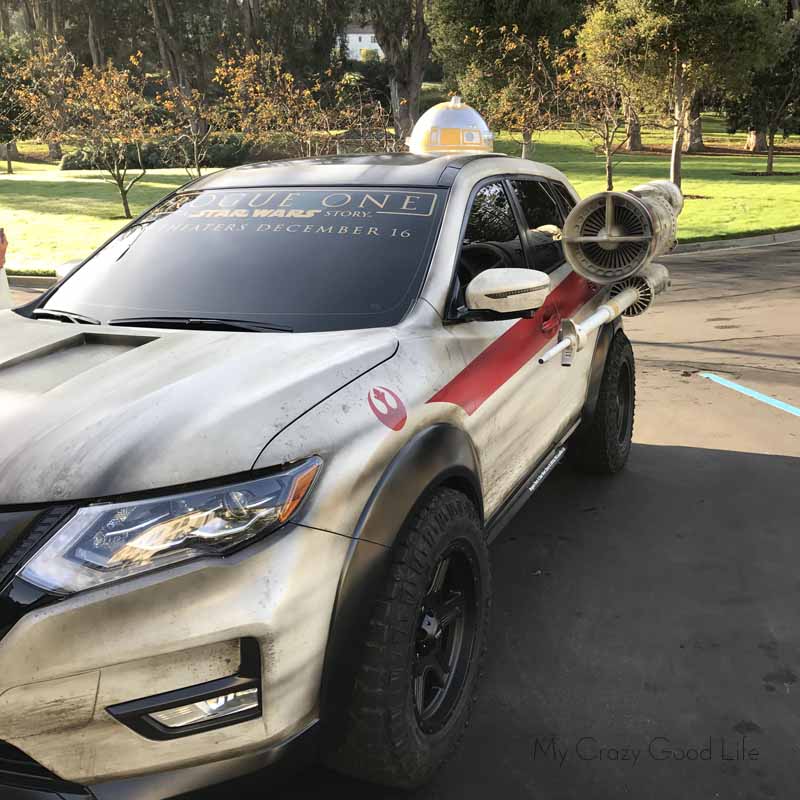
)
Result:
{"points": [[125, 205], [171, 48], [54, 152], [609, 171], [675, 164], [694, 126], [527, 147], [633, 141], [5, 153], [771, 153], [756, 141], [676, 161], [28, 18], [94, 42], [402, 111], [406, 46], [5, 19], [251, 25]]}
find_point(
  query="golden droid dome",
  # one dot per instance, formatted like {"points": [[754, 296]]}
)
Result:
{"points": [[452, 127]]}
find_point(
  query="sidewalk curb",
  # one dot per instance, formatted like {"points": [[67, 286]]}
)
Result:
{"points": [[732, 244], [31, 281]]}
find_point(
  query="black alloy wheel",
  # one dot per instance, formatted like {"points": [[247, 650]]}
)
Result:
{"points": [[445, 642]]}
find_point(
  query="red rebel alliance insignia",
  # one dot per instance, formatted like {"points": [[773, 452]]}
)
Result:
{"points": [[387, 407]]}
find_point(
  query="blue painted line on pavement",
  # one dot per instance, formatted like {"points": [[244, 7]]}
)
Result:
{"points": [[764, 398]]}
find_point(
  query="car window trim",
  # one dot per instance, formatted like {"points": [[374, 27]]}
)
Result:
{"points": [[565, 211], [529, 244], [450, 316]]}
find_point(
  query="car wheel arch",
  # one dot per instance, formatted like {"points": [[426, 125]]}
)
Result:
{"points": [[441, 455], [597, 368]]}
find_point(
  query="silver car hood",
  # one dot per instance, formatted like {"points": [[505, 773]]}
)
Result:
{"points": [[94, 411]]}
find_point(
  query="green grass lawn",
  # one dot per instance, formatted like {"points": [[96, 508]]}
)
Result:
{"points": [[727, 205], [52, 216]]}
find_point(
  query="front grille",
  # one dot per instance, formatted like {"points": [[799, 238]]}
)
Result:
{"points": [[20, 770]]}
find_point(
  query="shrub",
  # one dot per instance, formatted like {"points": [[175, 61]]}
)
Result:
{"points": [[152, 158], [224, 150]]}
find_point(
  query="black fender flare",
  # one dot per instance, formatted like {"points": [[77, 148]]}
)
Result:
{"points": [[598, 367], [441, 455]]}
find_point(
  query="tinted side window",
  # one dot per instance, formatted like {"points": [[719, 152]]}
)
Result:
{"points": [[567, 203], [544, 220], [492, 237]]}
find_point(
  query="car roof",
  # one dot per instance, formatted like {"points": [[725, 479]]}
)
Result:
{"points": [[378, 169]]}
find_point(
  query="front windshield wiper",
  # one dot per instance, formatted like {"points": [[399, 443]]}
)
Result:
{"points": [[210, 323], [65, 316]]}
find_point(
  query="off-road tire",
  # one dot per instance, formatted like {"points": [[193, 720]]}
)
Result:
{"points": [[383, 741], [603, 445]]}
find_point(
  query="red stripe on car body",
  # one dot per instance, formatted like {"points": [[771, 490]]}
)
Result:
{"points": [[503, 358]]}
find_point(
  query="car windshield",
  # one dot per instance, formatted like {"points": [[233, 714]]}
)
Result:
{"points": [[297, 259]]}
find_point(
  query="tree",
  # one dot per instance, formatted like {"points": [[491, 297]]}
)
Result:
{"points": [[12, 113], [772, 101], [401, 31], [188, 121], [263, 99], [602, 76], [514, 80], [451, 23], [190, 34], [43, 82], [111, 117], [359, 111], [689, 45], [598, 101]]}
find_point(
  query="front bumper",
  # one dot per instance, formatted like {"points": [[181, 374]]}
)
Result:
{"points": [[157, 786], [62, 666]]}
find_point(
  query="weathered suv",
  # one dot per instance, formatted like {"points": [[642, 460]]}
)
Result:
{"points": [[252, 452]]}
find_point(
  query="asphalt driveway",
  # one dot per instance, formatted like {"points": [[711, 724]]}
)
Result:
{"points": [[645, 637]]}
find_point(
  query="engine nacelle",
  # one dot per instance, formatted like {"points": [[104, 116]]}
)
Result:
{"points": [[647, 283], [611, 236]]}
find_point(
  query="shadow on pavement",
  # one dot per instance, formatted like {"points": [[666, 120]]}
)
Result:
{"points": [[656, 609]]}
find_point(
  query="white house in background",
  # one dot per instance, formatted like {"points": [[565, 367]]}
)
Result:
{"points": [[360, 39]]}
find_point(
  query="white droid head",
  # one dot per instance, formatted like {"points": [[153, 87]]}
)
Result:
{"points": [[452, 127]]}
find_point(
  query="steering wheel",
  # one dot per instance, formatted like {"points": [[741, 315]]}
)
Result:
{"points": [[480, 256]]}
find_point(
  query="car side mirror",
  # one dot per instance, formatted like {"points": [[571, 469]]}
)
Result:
{"points": [[507, 290]]}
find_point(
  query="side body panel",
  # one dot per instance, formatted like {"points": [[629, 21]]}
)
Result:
{"points": [[515, 407]]}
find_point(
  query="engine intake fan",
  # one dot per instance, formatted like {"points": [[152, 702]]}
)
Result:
{"points": [[652, 280], [611, 236]]}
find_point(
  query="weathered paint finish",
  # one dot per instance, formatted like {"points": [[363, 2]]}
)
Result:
{"points": [[157, 409], [88, 412], [165, 631]]}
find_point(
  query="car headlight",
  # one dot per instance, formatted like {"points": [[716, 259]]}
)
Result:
{"points": [[106, 542]]}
